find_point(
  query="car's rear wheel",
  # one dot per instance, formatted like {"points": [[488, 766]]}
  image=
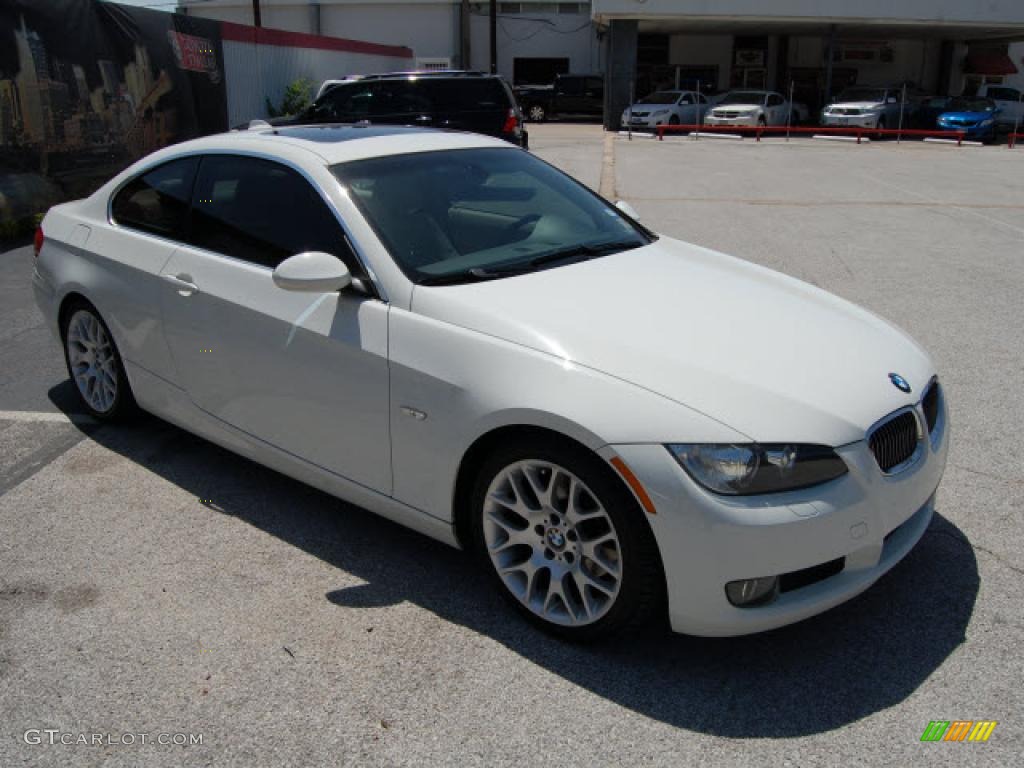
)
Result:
{"points": [[537, 113], [94, 364], [565, 541]]}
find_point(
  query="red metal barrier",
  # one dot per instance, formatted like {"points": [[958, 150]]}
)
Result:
{"points": [[759, 130], [1011, 143]]}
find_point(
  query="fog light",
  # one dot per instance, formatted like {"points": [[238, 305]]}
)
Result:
{"points": [[748, 592]]}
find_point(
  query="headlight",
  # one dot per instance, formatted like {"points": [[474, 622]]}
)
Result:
{"points": [[749, 468], [985, 123]]}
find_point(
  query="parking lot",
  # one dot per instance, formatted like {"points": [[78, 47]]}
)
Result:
{"points": [[152, 583]]}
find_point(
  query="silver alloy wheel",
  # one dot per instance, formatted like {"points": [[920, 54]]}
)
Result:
{"points": [[552, 542], [91, 359], [537, 113]]}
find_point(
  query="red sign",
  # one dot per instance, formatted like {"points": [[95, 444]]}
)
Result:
{"points": [[193, 53]]}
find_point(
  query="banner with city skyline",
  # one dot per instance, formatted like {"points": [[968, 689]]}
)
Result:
{"points": [[87, 87]]}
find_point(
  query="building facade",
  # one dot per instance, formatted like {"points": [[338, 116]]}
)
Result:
{"points": [[813, 47]]}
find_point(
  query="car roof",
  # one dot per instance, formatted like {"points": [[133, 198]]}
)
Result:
{"points": [[332, 143]]}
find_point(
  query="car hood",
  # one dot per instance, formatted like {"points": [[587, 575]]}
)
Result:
{"points": [[768, 355], [965, 115], [734, 107], [857, 104]]}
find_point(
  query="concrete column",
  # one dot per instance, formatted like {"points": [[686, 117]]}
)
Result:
{"points": [[620, 70]]}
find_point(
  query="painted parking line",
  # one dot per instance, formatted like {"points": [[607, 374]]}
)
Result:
{"points": [[47, 416], [55, 434]]}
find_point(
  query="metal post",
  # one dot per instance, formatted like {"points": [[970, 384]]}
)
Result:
{"points": [[829, 53], [629, 114], [700, 115], [1016, 121], [465, 51], [789, 117], [903, 102], [494, 36], [256, 14]]}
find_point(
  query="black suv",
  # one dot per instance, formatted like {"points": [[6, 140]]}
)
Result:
{"points": [[464, 101]]}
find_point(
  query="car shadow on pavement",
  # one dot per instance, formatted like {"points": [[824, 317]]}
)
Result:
{"points": [[812, 677]]}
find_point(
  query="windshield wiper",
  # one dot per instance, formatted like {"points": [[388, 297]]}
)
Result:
{"points": [[579, 252]]}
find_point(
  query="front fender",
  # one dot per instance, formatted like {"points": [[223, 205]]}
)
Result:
{"points": [[451, 385]]}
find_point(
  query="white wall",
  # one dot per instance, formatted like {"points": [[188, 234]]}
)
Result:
{"points": [[532, 35], [928, 11], [255, 73], [703, 50], [913, 60]]}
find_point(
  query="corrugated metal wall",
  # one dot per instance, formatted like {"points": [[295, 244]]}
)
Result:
{"points": [[256, 72]]}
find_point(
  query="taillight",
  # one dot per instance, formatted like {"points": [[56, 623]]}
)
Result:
{"points": [[511, 122], [37, 241]]}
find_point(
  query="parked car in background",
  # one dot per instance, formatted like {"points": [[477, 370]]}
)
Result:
{"points": [[928, 112], [1008, 100], [976, 116], [434, 325], [569, 96], [458, 100], [750, 108], [868, 107], [665, 108]]}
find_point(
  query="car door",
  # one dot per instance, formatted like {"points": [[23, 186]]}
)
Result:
{"points": [[305, 372], [593, 95], [686, 109], [1008, 100], [775, 109], [569, 98], [148, 217]]}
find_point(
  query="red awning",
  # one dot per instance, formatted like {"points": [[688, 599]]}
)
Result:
{"points": [[989, 63]]}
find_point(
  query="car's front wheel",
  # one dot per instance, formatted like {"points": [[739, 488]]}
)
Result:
{"points": [[565, 541], [537, 113], [94, 363]]}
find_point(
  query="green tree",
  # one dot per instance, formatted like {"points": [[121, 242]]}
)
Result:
{"points": [[297, 96]]}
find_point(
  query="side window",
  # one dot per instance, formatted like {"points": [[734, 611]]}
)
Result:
{"points": [[686, 99], [347, 102], [1003, 94], [774, 100], [570, 86], [157, 201], [595, 87], [262, 212], [703, 99]]}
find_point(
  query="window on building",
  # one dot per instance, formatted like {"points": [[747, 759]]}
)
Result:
{"points": [[157, 201]]}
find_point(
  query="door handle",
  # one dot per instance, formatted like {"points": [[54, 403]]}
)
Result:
{"points": [[183, 283]]}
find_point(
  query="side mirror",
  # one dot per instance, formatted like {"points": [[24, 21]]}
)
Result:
{"points": [[628, 209], [313, 271], [890, 100]]}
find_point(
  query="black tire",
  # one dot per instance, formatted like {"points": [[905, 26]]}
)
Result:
{"points": [[123, 406], [641, 595], [761, 122], [673, 120], [536, 113]]}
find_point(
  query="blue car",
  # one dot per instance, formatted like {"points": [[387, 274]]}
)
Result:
{"points": [[973, 115]]}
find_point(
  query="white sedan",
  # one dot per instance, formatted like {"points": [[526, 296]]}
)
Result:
{"points": [[665, 108], [750, 108], [450, 332]]}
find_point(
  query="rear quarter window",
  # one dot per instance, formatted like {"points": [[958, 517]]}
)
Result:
{"points": [[157, 202], [466, 94]]}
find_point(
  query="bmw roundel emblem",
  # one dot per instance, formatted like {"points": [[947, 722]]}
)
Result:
{"points": [[899, 382]]}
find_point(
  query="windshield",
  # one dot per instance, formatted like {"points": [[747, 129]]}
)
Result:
{"points": [[660, 97], [469, 214], [971, 105], [744, 97], [874, 95]]}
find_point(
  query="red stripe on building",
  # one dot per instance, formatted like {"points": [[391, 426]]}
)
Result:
{"points": [[242, 33]]}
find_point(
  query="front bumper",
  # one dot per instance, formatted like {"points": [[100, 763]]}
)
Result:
{"points": [[869, 120], [748, 120], [867, 519], [975, 131]]}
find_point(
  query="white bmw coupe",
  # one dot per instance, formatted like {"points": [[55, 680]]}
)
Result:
{"points": [[448, 331]]}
